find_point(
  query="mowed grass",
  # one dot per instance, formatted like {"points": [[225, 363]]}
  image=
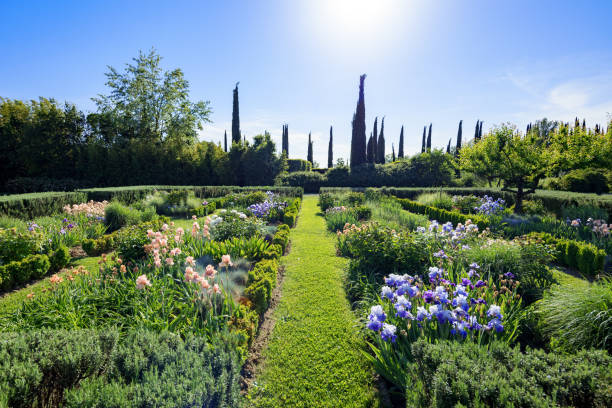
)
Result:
{"points": [[314, 356]]}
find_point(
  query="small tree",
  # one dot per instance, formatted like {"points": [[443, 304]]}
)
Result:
{"points": [[309, 154], [519, 161]]}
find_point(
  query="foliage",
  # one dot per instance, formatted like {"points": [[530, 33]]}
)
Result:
{"points": [[18, 272], [439, 200], [298, 165], [28, 206], [15, 245], [118, 215], [585, 181], [443, 215], [95, 368], [468, 375], [291, 212], [576, 317], [59, 258], [262, 280], [234, 224]]}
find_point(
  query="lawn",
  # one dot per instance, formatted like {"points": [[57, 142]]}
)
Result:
{"points": [[315, 356]]}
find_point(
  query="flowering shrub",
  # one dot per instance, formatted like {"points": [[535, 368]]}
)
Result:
{"points": [[437, 308], [489, 206], [271, 209], [233, 224]]}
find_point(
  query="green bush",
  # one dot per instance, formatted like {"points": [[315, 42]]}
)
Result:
{"points": [[233, 226], [85, 368], [95, 247], [294, 165], [262, 280], [336, 220], [15, 245], [281, 237], [221, 191], [443, 216], [59, 258], [574, 317], [118, 215], [33, 205], [274, 251], [451, 374], [438, 200], [326, 200], [585, 181], [362, 213], [18, 272], [291, 213]]}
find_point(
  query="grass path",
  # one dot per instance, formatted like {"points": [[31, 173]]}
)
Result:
{"points": [[314, 354]]}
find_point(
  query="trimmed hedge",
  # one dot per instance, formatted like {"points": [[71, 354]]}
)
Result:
{"points": [[554, 201], [220, 191], [453, 374], [18, 272], [291, 212], [261, 282], [128, 194], [87, 368], [33, 205], [585, 257], [441, 215]]}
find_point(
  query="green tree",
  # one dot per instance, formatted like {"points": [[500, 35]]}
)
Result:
{"points": [[330, 149], [400, 152], [429, 139], [375, 141], [358, 139], [309, 154], [235, 117], [380, 144], [519, 161], [424, 142], [146, 103]]}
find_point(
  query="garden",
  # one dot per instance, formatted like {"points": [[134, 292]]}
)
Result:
{"points": [[465, 303], [149, 297]]}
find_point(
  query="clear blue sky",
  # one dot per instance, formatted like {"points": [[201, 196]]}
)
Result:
{"points": [[299, 61]]}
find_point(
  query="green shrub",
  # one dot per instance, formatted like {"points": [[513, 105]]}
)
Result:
{"points": [[59, 258], [281, 237], [443, 216], [291, 212], [18, 272], [262, 280], [326, 200], [274, 251], [355, 198], [585, 181], [28, 206], [451, 374], [438, 200], [15, 245], [85, 368], [336, 220], [362, 213], [294, 165], [574, 317], [118, 215]]}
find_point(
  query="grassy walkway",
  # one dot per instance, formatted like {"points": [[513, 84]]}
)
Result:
{"points": [[314, 355]]}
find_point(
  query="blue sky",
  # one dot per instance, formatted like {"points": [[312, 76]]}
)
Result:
{"points": [[298, 61]]}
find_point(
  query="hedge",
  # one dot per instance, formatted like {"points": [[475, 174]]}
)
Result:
{"points": [[261, 282], [294, 165], [585, 257], [553, 200], [453, 374], [220, 191], [441, 215], [17, 272], [33, 205], [87, 368], [291, 213], [128, 194]]}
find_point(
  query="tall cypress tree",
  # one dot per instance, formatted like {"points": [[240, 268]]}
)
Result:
{"points": [[476, 130], [309, 154], [392, 153], [424, 143], [448, 147], [459, 137], [400, 151], [480, 130], [330, 149], [429, 139], [285, 140], [380, 144], [235, 117], [358, 139], [225, 140], [370, 150], [375, 142]]}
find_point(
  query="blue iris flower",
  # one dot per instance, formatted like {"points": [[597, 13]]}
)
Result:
{"points": [[387, 292], [388, 332]]}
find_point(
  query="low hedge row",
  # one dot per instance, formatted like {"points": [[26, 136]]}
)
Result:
{"points": [[17, 272], [291, 212], [220, 191], [554, 201], [453, 374], [87, 368], [441, 215], [585, 257], [33, 205], [127, 194]]}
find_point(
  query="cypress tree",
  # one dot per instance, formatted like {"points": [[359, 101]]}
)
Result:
{"points": [[358, 139], [392, 153], [583, 124], [225, 139], [309, 154], [424, 142], [459, 136], [375, 142], [369, 150], [476, 130], [400, 152], [480, 130], [235, 117], [429, 139], [448, 147], [330, 151], [285, 141], [380, 144]]}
